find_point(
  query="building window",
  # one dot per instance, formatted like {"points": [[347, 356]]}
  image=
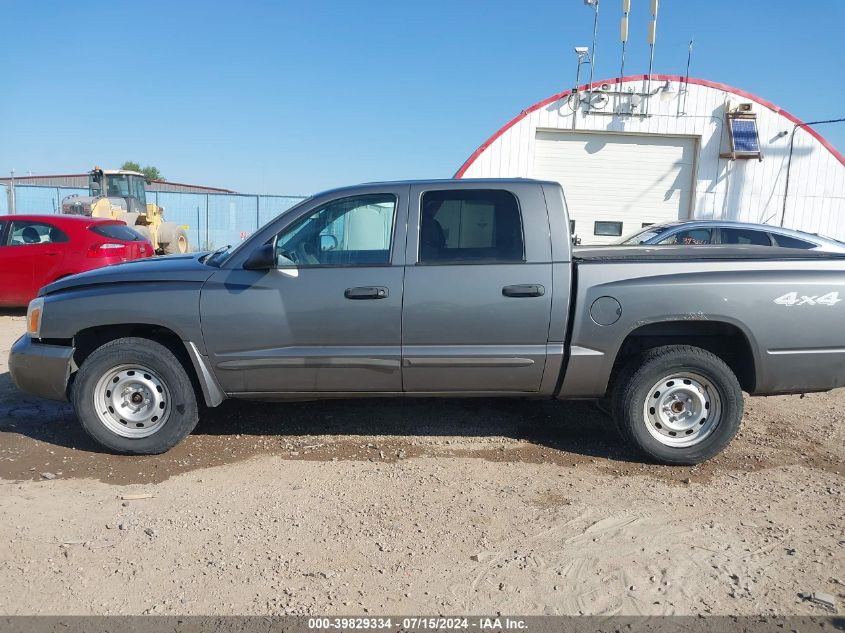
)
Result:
{"points": [[470, 225], [613, 229]]}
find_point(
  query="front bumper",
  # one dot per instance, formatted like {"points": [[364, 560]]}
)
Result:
{"points": [[39, 369]]}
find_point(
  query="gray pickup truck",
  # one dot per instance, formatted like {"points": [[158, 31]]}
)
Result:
{"points": [[439, 288]]}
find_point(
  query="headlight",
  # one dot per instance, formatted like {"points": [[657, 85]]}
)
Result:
{"points": [[33, 317]]}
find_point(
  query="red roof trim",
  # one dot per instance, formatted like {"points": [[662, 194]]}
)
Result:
{"points": [[698, 82]]}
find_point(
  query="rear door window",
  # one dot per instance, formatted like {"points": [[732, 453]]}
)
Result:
{"points": [[745, 236], [470, 226], [689, 237], [25, 233]]}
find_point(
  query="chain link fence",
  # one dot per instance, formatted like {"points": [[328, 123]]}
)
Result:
{"points": [[211, 219]]}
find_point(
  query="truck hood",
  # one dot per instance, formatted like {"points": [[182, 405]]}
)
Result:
{"points": [[152, 269]]}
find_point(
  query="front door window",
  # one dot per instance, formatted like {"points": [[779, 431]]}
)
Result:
{"points": [[355, 231]]}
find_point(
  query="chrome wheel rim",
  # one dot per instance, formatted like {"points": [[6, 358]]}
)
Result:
{"points": [[132, 401], [682, 409]]}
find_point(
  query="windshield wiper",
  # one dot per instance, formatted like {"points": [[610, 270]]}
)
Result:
{"points": [[215, 253]]}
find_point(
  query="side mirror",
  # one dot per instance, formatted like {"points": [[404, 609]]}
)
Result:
{"points": [[261, 258], [328, 243]]}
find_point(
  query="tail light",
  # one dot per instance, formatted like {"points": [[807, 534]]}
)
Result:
{"points": [[106, 249]]}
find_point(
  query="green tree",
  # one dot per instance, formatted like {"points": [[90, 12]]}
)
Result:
{"points": [[150, 172]]}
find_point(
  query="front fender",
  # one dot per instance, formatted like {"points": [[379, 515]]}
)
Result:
{"points": [[173, 305]]}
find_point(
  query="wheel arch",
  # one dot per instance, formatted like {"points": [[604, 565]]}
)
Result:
{"points": [[728, 340], [205, 384]]}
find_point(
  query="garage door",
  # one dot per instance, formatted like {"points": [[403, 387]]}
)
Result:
{"points": [[616, 183]]}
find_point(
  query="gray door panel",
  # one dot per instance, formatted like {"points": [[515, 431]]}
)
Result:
{"points": [[275, 331], [312, 327], [460, 332]]}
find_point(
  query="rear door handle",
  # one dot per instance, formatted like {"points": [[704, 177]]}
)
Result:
{"points": [[366, 292], [524, 290]]}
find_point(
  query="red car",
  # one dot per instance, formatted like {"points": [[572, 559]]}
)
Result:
{"points": [[35, 250]]}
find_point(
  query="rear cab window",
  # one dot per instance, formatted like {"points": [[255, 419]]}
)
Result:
{"points": [[470, 226]]}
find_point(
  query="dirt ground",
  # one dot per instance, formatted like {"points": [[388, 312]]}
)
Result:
{"points": [[418, 507]]}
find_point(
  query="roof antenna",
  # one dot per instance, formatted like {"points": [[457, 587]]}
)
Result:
{"points": [[626, 9], [652, 37], [595, 5], [682, 105]]}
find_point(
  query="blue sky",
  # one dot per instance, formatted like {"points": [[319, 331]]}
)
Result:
{"points": [[294, 97]]}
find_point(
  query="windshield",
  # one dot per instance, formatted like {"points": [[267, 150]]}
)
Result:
{"points": [[640, 237], [219, 256], [118, 187]]}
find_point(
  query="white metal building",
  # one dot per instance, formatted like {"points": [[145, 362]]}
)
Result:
{"points": [[629, 154]]}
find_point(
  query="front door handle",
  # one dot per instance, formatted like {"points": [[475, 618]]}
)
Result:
{"points": [[366, 292], [524, 290]]}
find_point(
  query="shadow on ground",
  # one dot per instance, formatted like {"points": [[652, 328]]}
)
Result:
{"points": [[38, 436], [361, 429]]}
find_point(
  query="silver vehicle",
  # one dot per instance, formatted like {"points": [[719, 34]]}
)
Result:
{"points": [[439, 288], [699, 232]]}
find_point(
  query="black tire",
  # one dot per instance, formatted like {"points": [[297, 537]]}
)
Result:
{"points": [[182, 413], [633, 389]]}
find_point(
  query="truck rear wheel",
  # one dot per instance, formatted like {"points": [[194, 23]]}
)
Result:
{"points": [[678, 404], [133, 396], [173, 238]]}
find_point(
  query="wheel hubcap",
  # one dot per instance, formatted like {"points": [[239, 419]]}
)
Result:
{"points": [[682, 409], [132, 401]]}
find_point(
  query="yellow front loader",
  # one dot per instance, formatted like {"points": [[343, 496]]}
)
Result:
{"points": [[121, 195]]}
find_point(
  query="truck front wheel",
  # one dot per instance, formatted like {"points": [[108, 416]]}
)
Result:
{"points": [[678, 404], [133, 396]]}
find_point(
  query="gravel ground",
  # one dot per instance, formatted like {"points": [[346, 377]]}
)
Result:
{"points": [[418, 507]]}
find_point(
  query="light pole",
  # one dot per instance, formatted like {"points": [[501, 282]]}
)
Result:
{"points": [[12, 198]]}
